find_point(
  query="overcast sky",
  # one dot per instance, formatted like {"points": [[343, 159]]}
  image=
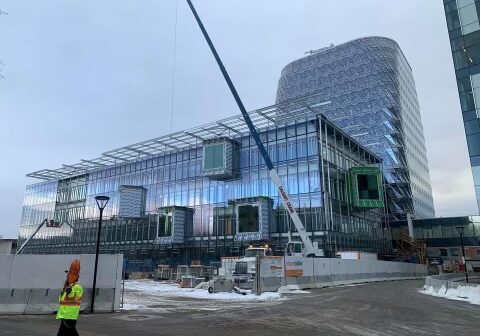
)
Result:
{"points": [[83, 77]]}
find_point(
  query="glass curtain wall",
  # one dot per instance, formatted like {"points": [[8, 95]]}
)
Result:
{"points": [[176, 179], [464, 32]]}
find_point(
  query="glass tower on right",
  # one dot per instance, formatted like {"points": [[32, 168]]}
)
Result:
{"points": [[464, 32], [366, 88]]}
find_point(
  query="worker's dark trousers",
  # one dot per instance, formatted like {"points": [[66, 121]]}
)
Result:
{"points": [[67, 328]]}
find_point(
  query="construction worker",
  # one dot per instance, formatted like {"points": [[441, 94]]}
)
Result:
{"points": [[70, 299]]}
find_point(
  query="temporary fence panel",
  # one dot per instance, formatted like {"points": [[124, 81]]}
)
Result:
{"points": [[31, 283], [322, 272]]}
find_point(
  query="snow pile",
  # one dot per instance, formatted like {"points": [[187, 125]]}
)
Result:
{"points": [[291, 289], [133, 306], [353, 285], [462, 293], [142, 293]]}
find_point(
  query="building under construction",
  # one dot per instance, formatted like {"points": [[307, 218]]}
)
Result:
{"points": [[204, 193]]}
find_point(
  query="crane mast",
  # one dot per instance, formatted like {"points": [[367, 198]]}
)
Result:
{"points": [[309, 249]]}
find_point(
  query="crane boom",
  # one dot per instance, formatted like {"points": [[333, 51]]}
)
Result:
{"points": [[310, 249], [32, 235]]}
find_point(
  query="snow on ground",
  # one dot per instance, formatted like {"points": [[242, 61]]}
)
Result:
{"points": [[464, 293], [291, 289], [352, 285], [145, 293]]}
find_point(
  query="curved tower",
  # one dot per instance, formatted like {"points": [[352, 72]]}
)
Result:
{"points": [[372, 97]]}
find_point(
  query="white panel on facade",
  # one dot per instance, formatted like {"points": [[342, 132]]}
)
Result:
{"points": [[467, 13], [477, 192], [476, 175], [475, 80], [463, 3], [470, 28], [476, 181]]}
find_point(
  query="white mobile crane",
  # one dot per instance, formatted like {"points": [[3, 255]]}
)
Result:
{"points": [[306, 248]]}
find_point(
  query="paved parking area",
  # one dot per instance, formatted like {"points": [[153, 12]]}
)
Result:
{"points": [[389, 308]]}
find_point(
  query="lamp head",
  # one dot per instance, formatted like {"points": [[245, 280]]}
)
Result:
{"points": [[102, 201]]}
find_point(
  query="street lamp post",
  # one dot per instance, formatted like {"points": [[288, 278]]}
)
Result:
{"points": [[460, 232], [101, 203]]}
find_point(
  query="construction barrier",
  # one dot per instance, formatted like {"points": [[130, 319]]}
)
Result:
{"points": [[454, 286], [445, 282], [31, 284], [324, 272]]}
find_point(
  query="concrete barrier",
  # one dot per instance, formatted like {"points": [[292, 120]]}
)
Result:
{"points": [[451, 280], [13, 301], [5, 265], [40, 301], [453, 286], [31, 284], [309, 273]]}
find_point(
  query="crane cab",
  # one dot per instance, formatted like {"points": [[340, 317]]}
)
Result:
{"points": [[297, 249], [294, 248]]}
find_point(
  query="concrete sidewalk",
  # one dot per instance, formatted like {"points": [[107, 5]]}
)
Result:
{"points": [[387, 308]]}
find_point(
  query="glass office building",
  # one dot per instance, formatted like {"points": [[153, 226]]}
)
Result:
{"points": [[367, 89], [464, 32], [442, 238], [204, 193]]}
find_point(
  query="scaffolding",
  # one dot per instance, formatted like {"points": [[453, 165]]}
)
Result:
{"points": [[408, 247]]}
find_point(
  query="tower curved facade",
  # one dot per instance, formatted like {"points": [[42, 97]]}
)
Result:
{"points": [[367, 89]]}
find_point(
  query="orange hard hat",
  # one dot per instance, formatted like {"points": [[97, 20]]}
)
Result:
{"points": [[73, 272]]}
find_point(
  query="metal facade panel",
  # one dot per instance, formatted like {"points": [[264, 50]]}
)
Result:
{"points": [[181, 217], [132, 201], [227, 171], [265, 209]]}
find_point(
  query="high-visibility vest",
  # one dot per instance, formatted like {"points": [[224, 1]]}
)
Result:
{"points": [[69, 305]]}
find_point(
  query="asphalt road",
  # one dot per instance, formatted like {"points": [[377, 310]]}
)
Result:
{"points": [[387, 308]]}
